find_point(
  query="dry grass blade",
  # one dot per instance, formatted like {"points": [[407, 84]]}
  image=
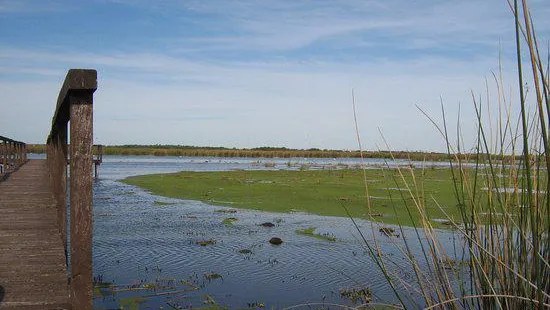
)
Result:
{"points": [[502, 195]]}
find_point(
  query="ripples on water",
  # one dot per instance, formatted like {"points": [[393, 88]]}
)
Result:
{"points": [[139, 241]]}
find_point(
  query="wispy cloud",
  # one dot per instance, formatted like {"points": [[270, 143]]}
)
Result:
{"points": [[241, 73], [31, 6], [339, 26]]}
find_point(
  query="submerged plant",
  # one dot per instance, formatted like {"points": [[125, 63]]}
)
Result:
{"points": [[310, 232], [229, 221], [205, 242], [361, 294], [500, 255]]}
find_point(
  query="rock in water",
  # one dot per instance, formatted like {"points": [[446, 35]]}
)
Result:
{"points": [[275, 240], [267, 224]]}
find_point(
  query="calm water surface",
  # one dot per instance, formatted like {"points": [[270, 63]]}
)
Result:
{"points": [[145, 246]]}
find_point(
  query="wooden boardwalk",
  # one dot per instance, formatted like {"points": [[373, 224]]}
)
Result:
{"points": [[33, 273]]}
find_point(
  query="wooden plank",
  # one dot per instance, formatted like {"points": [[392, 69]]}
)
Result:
{"points": [[33, 274]]}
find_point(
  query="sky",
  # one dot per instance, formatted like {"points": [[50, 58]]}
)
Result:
{"points": [[245, 74]]}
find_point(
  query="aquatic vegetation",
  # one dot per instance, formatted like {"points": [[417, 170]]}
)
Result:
{"points": [[245, 251], [388, 231], [229, 221], [131, 303], [323, 192], [101, 288], [212, 276], [205, 242], [255, 305], [226, 211], [211, 304], [357, 295], [310, 232], [137, 294]]}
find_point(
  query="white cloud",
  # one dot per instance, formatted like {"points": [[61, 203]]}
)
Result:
{"points": [[185, 95], [254, 104], [289, 25]]}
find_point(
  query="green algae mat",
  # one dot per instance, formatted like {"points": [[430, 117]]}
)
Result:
{"points": [[323, 192]]}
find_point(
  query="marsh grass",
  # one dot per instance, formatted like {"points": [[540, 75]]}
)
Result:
{"points": [[323, 192], [500, 258]]}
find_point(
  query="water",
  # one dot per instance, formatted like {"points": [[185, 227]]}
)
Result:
{"points": [[146, 246]]}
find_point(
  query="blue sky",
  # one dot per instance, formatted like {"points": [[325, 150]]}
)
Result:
{"points": [[255, 73]]}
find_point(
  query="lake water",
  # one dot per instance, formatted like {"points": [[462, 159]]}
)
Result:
{"points": [[146, 246]]}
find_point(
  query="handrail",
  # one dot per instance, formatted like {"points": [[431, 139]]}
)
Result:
{"points": [[13, 154], [74, 104]]}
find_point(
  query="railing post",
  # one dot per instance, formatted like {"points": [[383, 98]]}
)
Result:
{"points": [[10, 154], [18, 154], [74, 107], [81, 126], [21, 153], [5, 156], [13, 158]]}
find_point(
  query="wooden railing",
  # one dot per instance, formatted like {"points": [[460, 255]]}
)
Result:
{"points": [[13, 154], [74, 106]]}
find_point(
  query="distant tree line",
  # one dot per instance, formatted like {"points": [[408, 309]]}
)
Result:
{"points": [[268, 152]]}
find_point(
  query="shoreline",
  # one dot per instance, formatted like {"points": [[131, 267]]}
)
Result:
{"points": [[276, 152]]}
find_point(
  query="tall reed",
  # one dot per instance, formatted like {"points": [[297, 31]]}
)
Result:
{"points": [[501, 257]]}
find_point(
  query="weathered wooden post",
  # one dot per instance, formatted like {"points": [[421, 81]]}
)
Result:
{"points": [[81, 196], [4, 156], [10, 156], [74, 104], [19, 154]]}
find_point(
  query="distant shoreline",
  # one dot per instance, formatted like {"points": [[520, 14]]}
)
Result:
{"points": [[265, 152]]}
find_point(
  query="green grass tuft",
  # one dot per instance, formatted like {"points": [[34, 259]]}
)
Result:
{"points": [[310, 232]]}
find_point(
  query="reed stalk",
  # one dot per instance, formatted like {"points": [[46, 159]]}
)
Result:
{"points": [[501, 245]]}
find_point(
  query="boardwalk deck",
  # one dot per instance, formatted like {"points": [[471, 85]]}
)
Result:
{"points": [[33, 273]]}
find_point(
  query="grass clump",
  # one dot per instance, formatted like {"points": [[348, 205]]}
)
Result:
{"points": [[500, 258], [206, 242], [229, 221], [212, 276], [362, 294], [310, 232], [327, 192]]}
